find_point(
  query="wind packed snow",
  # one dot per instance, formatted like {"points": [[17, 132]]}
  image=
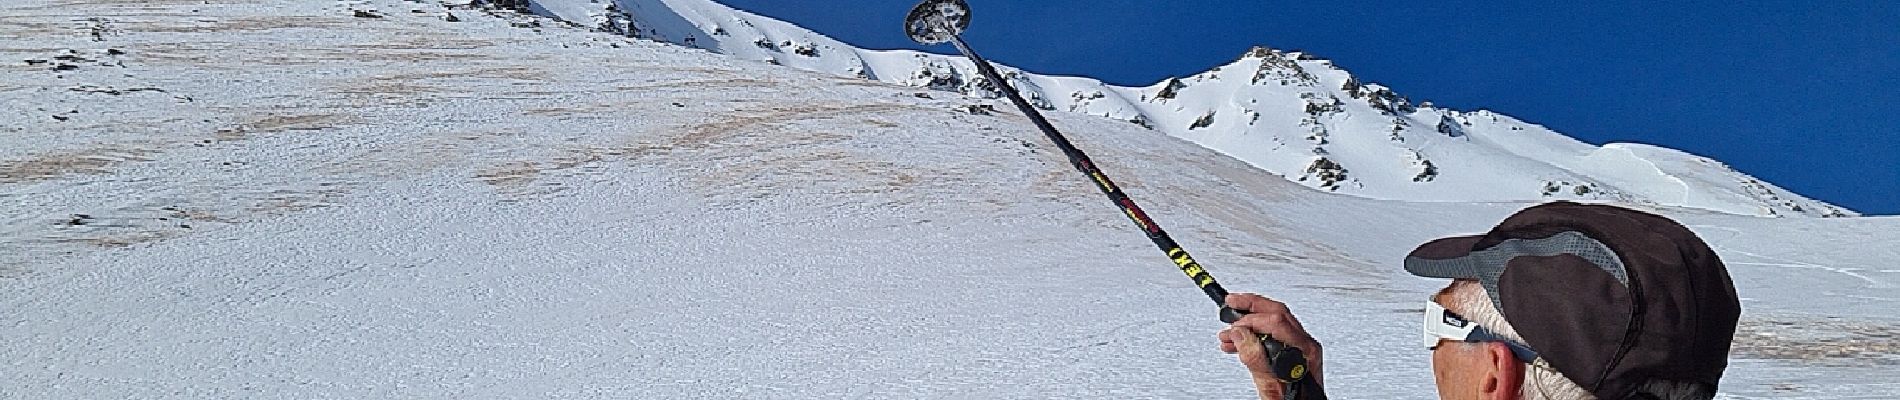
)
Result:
{"points": [[395, 199]]}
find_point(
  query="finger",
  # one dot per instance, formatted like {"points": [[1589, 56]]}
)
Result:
{"points": [[1268, 315], [1227, 341], [1240, 301], [1295, 321], [1280, 327], [1253, 303], [1268, 324], [1252, 354]]}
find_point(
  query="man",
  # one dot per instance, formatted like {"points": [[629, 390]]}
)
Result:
{"points": [[1561, 301]]}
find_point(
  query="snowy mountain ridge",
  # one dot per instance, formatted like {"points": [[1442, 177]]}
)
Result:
{"points": [[1287, 113]]}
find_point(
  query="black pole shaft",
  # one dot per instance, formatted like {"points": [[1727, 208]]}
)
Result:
{"points": [[1288, 363], [1082, 163]]}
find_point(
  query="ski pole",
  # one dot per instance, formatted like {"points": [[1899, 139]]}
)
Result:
{"points": [[940, 21]]}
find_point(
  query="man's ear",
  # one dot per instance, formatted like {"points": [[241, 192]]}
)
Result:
{"points": [[1506, 375]]}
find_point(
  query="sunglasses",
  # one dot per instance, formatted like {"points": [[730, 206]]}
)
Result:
{"points": [[1442, 324]]}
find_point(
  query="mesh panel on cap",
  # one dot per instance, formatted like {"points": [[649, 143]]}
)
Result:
{"points": [[1489, 263]]}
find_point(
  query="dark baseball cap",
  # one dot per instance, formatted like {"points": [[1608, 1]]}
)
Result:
{"points": [[1610, 297]]}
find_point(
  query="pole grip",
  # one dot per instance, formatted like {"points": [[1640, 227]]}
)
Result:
{"points": [[1287, 362]]}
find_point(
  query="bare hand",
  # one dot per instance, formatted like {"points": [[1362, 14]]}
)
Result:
{"points": [[1270, 317]]}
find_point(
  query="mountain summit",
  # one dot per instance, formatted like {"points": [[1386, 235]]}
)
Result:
{"points": [[1287, 113]]}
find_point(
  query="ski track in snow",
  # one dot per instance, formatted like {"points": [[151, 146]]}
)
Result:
{"points": [[314, 204]]}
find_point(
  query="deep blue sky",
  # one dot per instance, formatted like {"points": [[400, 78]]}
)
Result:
{"points": [[1802, 94]]}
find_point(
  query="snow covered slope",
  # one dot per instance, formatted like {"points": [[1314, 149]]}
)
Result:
{"points": [[295, 199], [1287, 113]]}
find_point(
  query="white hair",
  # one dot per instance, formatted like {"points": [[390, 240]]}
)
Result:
{"points": [[1541, 381]]}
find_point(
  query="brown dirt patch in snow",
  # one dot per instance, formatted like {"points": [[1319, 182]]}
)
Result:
{"points": [[701, 84], [521, 180], [96, 160], [425, 40], [277, 123], [236, 24], [273, 123], [515, 73], [1824, 341], [512, 174]]}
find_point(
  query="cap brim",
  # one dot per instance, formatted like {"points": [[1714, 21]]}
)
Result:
{"points": [[1429, 259]]}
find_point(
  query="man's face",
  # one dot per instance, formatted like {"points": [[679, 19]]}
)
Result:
{"points": [[1460, 370], [1472, 371]]}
